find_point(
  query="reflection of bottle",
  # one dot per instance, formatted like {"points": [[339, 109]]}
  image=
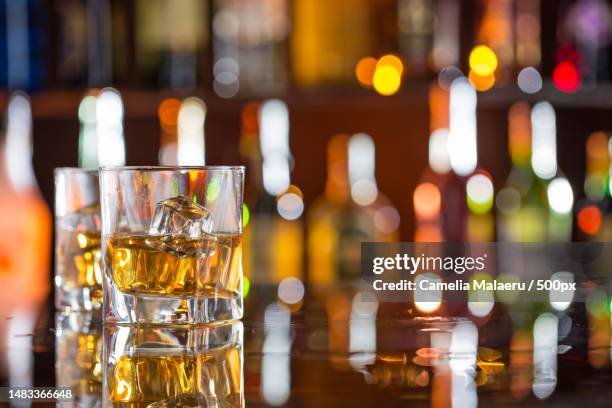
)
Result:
{"points": [[78, 353], [25, 217], [174, 366], [274, 238]]}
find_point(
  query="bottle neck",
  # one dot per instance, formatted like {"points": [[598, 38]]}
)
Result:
{"points": [[17, 154]]}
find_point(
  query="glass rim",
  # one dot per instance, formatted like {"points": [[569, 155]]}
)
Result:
{"points": [[68, 169], [169, 168]]}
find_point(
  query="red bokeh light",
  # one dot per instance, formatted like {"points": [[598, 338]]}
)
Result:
{"points": [[589, 219], [566, 77]]}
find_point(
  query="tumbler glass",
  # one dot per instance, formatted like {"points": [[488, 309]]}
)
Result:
{"points": [[78, 259], [181, 366], [171, 238]]}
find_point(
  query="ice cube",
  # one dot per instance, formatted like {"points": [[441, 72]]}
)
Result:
{"points": [[86, 219], [181, 217]]}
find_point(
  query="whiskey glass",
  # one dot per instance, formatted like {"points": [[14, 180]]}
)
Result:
{"points": [[171, 238], [78, 257], [154, 366]]}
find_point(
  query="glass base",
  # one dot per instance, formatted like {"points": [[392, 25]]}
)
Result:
{"points": [[78, 299], [124, 308]]}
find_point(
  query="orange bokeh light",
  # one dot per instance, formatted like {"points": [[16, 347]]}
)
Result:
{"points": [[481, 83], [364, 71], [168, 112], [426, 201], [392, 61]]}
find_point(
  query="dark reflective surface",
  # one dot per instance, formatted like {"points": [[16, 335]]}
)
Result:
{"points": [[329, 351]]}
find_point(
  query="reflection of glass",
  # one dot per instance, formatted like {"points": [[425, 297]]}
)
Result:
{"points": [[78, 352], [174, 366], [172, 243], [78, 268]]}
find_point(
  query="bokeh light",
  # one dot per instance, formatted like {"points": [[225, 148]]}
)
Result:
{"points": [[168, 113], [290, 206], [291, 290], [426, 201], [386, 219], [483, 61], [364, 71], [439, 158], [481, 83], [529, 80], [246, 215], [560, 195], [479, 190], [246, 286], [566, 77], [559, 298], [544, 140], [392, 61], [508, 200], [387, 80], [589, 219], [447, 75]]}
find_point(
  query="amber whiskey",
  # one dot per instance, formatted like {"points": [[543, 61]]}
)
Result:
{"points": [[79, 262], [164, 265], [179, 378]]}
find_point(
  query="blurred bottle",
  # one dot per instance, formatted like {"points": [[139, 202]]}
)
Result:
{"points": [[101, 138], [528, 37], [530, 210], [26, 219], [593, 220], [427, 196], [462, 149], [21, 59], [416, 20], [446, 36], [71, 51], [99, 43], [250, 46], [274, 233], [352, 210], [94, 44], [171, 42], [495, 30], [328, 39]]}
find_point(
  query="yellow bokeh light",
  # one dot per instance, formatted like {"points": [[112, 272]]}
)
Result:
{"points": [[481, 83], [364, 71], [392, 61], [483, 60], [387, 80]]}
